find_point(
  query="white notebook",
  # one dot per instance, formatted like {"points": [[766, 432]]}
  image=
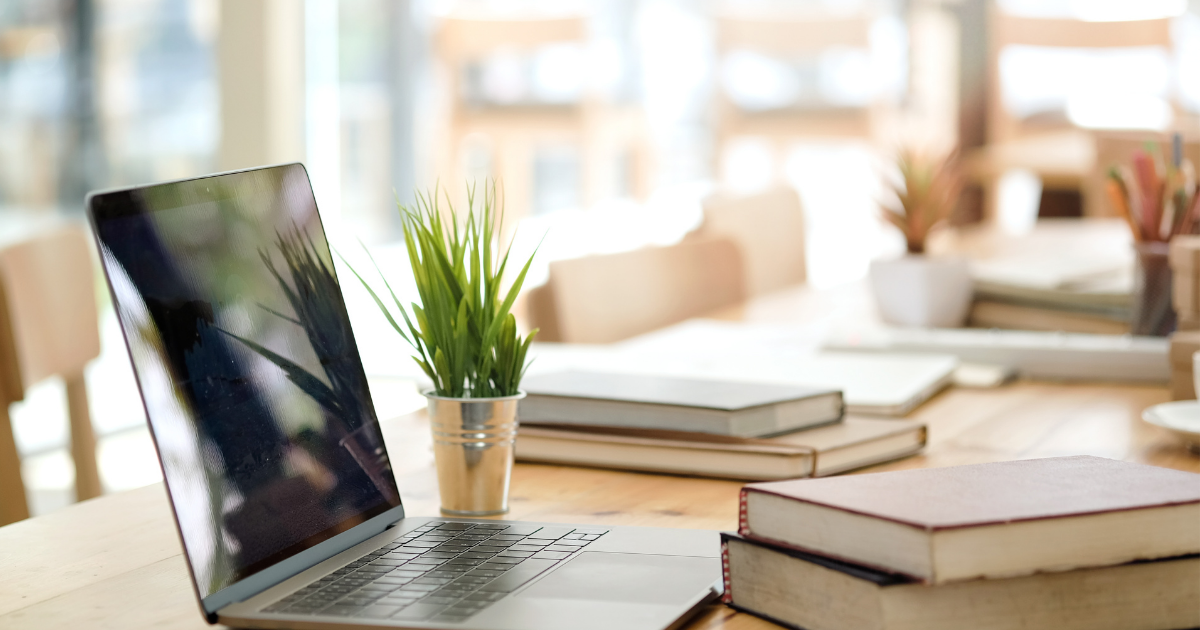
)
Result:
{"points": [[735, 408], [877, 384]]}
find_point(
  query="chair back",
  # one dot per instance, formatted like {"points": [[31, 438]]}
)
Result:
{"points": [[1010, 30], [1016, 30], [606, 298], [463, 38], [48, 327], [48, 317], [787, 36], [768, 228], [777, 35], [502, 139]]}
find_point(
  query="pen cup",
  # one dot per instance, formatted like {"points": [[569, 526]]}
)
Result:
{"points": [[473, 440], [1153, 314]]}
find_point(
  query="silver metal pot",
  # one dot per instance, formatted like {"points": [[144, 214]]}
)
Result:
{"points": [[473, 440]]}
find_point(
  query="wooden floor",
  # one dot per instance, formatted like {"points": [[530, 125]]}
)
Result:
{"points": [[115, 562]]}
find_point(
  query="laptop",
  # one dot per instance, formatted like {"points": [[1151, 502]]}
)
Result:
{"points": [[284, 495]]}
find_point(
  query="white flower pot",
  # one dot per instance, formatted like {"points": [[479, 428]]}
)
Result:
{"points": [[920, 291]]}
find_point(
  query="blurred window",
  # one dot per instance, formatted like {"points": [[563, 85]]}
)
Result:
{"points": [[365, 115], [550, 75], [157, 88], [97, 93], [32, 94], [1095, 10], [1111, 88], [556, 178], [836, 77], [1187, 55], [1129, 88]]}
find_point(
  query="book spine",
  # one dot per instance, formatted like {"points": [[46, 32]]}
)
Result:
{"points": [[743, 524], [727, 596]]}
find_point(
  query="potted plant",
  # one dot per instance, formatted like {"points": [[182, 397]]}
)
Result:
{"points": [[915, 289], [467, 343]]}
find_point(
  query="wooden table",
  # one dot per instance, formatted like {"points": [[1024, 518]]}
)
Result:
{"points": [[115, 562]]}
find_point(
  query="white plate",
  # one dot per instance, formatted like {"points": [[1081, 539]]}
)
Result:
{"points": [[1181, 417]]}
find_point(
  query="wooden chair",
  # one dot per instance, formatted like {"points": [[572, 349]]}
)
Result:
{"points": [[48, 327], [1062, 155], [1015, 30], [512, 134], [601, 299], [787, 37], [768, 228]]}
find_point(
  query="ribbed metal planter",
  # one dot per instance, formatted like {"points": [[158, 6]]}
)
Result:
{"points": [[473, 440]]}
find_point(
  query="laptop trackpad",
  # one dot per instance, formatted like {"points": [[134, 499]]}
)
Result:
{"points": [[625, 577]]}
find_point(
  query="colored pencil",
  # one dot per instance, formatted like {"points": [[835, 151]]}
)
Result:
{"points": [[1158, 195], [1151, 192], [1116, 192]]}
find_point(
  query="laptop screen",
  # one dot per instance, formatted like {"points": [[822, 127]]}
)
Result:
{"points": [[243, 350]]}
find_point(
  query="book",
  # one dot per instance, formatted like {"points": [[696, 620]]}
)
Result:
{"points": [[807, 591], [1114, 301], [1034, 354], [1069, 282], [890, 384], [1071, 269], [984, 520], [852, 443], [642, 401], [998, 314]]}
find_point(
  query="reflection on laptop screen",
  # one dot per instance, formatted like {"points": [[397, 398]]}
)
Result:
{"points": [[243, 350]]}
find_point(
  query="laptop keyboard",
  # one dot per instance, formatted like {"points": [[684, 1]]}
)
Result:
{"points": [[441, 571]]}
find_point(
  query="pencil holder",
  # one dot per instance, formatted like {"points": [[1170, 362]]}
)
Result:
{"points": [[1152, 311]]}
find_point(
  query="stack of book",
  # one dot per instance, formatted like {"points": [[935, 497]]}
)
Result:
{"points": [[713, 428], [1096, 312], [1059, 543], [1047, 289], [1099, 305]]}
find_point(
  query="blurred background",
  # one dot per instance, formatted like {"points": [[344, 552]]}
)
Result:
{"points": [[606, 122]]}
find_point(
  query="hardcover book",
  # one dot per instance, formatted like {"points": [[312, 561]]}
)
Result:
{"points": [[678, 404], [812, 592], [827, 450], [986, 520]]}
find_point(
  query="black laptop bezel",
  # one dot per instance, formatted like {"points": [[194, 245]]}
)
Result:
{"points": [[114, 203]]}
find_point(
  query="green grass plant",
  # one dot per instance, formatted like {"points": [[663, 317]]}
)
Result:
{"points": [[463, 331]]}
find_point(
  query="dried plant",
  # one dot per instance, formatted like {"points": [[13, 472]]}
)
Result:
{"points": [[925, 195]]}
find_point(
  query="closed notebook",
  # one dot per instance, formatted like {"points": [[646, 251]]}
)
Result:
{"points": [[677, 404], [816, 593], [852, 443], [994, 314], [985, 520]]}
